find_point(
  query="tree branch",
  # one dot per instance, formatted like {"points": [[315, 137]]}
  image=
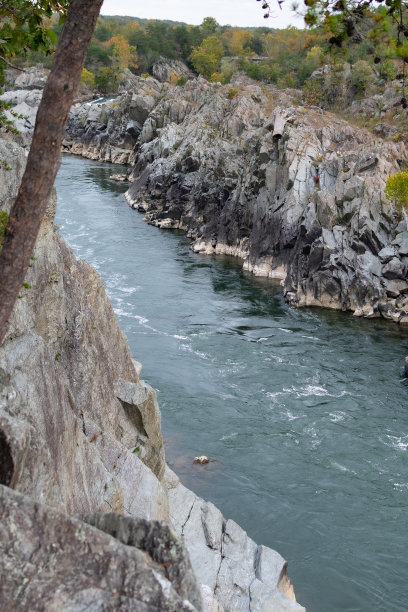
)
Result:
{"points": [[3, 59]]}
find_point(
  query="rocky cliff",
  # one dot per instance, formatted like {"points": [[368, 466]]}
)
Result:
{"points": [[82, 469], [247, 170]]}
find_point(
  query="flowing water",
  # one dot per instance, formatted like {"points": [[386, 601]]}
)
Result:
{"points": [[305, 412]]}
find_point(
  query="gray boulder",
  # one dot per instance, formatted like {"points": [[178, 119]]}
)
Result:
{"points": [[50, 561]]}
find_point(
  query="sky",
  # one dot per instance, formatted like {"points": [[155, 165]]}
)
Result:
{"points": [[232, 12]]}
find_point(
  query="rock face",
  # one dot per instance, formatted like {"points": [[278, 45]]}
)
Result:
{"points": [[30, 78], [296, 193], [25, 105], [164, 68], [80, 434], [41, 551], [237, 574], [64, 348]]}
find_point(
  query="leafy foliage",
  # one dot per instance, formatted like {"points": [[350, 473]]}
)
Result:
{"points": [[396, 190], [206, 57], [23, 26], [3, 224]]}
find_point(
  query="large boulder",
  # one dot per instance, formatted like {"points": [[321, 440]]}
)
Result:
{"points": [[164, 68], [50, 561]]}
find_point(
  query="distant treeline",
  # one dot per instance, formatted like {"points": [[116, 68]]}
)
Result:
{"points": [[285, 57]]}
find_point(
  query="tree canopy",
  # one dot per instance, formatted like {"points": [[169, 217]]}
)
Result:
{"points": [[24, 27]]}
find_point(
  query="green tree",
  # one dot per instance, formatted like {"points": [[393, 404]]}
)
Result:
{"points": [[206, 58], [361, 76], [209, 26], [23, 27], [87, 79]]}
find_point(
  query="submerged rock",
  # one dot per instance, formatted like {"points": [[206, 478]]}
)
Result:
{"points": [[202, 460]]}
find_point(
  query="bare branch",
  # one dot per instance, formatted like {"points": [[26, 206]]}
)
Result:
{"points": [[3, 59]]}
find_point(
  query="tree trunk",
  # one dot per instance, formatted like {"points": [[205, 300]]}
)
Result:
{"points": [[45, 153]]}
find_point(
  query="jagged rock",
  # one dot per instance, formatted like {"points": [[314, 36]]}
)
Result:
{"points": [[165, 67], [401, 242], [33, 77], [394, 288], [49, 561], [65, 328], [25, 105], [140, 404], [395, 268], [277, 203], [235, 571], [12, 166], [386, 254], [161, 542]]}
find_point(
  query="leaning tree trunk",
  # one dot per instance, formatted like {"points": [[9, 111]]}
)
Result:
{"points": [[45, 153]]}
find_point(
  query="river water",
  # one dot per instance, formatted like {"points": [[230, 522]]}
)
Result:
{"points": [[305, 412]]}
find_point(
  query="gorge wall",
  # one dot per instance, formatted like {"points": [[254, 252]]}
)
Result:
{"points": [[92, 518], [247, 170]]}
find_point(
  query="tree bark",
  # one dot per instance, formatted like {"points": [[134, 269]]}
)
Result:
{"points": [[45, 153]]}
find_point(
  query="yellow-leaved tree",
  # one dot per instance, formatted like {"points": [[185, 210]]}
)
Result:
{"points": [[123, 54]]}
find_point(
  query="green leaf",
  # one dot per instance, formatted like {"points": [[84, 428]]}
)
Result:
{"points": [[52, 36]]}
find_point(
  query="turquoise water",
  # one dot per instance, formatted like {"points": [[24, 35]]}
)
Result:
{"points": [[305, 412]]}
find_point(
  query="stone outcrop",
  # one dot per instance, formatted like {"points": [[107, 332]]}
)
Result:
{"points": [[33, 77], [164, 69], [80, 435], [237, 574], [295, 192], [50, 561], [25, 105]]}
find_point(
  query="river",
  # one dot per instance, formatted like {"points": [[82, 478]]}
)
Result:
{"points": [[305, 412]]}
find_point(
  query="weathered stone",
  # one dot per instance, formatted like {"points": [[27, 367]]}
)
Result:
{"points": [[394, 269], [160, 541], [164, 68], [386, 254], [140, 404], [49, 561], [395, 287], [224, 559]]}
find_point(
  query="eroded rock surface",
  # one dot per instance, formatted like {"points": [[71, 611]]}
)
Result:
{"points": [[164, 69], [295, 192], [50, 561], [235, 573]]}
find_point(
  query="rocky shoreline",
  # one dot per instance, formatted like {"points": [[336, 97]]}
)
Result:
{"points": [[246, 170], [294, 192]]}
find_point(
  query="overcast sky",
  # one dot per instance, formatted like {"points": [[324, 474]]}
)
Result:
{"points": [[232, 12]]}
